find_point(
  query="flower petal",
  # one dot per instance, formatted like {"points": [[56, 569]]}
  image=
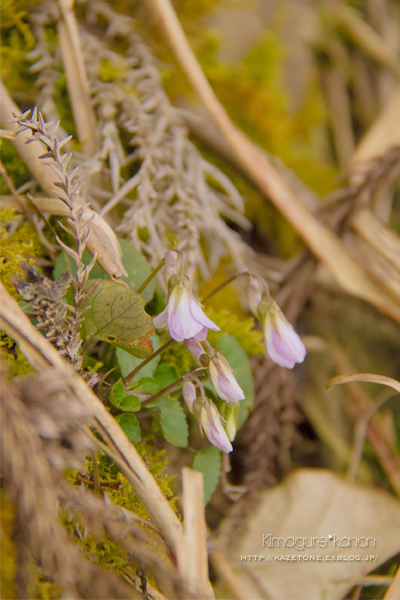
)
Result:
{"points": [[202, 335], [294, 347], [181, 324], [286, 349], [160, 320], [230, 388], [224, 381], [211, 423], [198, 314]]}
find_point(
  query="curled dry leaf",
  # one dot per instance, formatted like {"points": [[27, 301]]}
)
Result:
{"points": [[367, 377], [313, 503]]}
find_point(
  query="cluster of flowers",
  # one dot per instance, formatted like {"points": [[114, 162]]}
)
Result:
{"points": [[187, 323]]}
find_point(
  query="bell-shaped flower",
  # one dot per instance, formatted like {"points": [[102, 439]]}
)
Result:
{"points": [[183, 315], [210, 422], [222, 378], [282, 343]]}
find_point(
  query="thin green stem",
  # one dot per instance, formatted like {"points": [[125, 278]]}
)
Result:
{"points": [[219, 288], [171, 386], [150, 277], [129, 378], [244, 273]]}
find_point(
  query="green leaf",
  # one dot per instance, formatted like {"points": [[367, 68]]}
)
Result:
{"points": [[62, 265], [116, 315], [149, 385], [173, 420], [166, 374], [133, 260], [208, 461], [237, 358], [130, 425], [118, 391], [120, 399], [137, 268], [130, 403], [127, 362]]}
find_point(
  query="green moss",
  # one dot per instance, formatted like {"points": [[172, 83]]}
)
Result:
{"points": [[105, 551], [16, 42], [254, 93], [8, 552], [156, 462], [14, 361], [242, 329], [14, 165], [64, 110], [45, 589], [179, 358], [109, 71], [23, 244]]}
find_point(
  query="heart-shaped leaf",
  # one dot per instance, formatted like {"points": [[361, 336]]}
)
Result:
{"points": [[116, 315]]}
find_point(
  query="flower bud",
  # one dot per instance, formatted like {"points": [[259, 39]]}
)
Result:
{"points": [[229, 414], [210, 422], [254, 295], [170, 265], [189, 394], [282, 343], [197, 351], [222, 378]]}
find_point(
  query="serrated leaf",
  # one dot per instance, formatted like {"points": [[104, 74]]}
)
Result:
{"points": [[130, 403], [173, 420], [127, 362], [130, 425], [208, 461], [133, 260], [123, 401], [237, 358], [116, 315]]}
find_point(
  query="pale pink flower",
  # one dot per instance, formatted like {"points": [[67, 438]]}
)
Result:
{"points": [[210, 422], [254, 294], [282, 343], [189, 394], [183, 315], [222, 378]]}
